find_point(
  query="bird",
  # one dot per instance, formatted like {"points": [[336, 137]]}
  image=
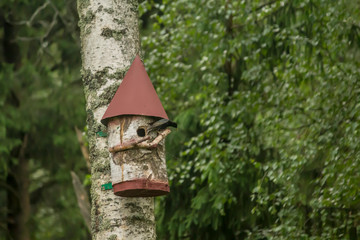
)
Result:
{"points": [[160, 125]]}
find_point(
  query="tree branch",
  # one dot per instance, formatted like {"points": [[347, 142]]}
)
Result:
{"points": [[84, 149], [30, 21]]}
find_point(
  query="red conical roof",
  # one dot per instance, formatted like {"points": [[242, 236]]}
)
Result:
{"points": [[135, 96]]}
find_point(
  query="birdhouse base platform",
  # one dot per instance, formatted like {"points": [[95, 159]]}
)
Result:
{"points": [[141, 188]]}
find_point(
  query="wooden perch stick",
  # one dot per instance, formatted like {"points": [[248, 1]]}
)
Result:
{"points": [[140, 142], [156, 141], [128, 145]]}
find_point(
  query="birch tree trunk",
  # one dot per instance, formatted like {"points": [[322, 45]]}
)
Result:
{"points": [[110, 41]]}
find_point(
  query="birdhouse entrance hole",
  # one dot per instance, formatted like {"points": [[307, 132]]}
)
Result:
{"points": [[140, 132]]}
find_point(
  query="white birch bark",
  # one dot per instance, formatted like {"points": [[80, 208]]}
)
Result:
{"points": [[138, 163], [110, 41]]}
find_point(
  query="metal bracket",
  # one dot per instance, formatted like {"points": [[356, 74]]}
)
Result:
{"points": [[106, 186], [101, 134]]}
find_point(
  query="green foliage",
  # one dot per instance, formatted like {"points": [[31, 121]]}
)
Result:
{"points": [[266, 95], [41, 100]]}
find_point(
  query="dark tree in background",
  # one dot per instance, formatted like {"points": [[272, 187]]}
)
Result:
{"points": [[41, 101], [265, 93]]}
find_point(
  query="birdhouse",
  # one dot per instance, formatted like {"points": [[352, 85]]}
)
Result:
{"points": [[137, 125]]}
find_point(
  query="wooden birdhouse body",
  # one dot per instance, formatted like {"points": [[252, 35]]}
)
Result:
{"points": [[135, 138], [136, 171]]}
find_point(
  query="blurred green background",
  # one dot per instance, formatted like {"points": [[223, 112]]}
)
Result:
{"points": [[266, 94]]}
